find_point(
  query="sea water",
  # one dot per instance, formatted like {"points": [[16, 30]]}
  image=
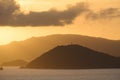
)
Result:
{"points": [[15, 73]]}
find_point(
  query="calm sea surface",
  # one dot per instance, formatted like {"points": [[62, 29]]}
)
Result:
{"points": [[14, 73]]}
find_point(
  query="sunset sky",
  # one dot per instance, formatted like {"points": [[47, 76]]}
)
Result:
{"points": [[22, 19]]}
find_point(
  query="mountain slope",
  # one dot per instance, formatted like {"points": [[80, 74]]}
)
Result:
{"points": [[36, 46], [74, 57]]}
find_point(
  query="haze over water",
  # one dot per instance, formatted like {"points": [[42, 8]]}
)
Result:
{"points": [[14, 73]]}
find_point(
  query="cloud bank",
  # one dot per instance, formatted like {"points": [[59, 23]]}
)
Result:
{"points": [[10, 15], [109, 13]]}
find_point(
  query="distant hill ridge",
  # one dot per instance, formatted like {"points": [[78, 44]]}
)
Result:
{"points": [[15, 63], [36, 46], [74, 57]]}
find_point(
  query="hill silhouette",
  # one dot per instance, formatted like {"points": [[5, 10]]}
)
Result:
{"points": [[31, 48], [15, 63], [74, 57]]}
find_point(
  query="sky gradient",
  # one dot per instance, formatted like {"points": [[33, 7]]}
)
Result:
{"points": [[85, 17]]}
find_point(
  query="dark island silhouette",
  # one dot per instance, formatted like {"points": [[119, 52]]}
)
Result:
{"points": [[74, 57], [31, 48]]}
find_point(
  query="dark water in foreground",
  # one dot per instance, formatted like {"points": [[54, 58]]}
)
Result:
{"points": [[12, 73]]}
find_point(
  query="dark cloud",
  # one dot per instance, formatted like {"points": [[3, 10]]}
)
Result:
{"points": [[8, 9], [51, 17], [10, 15], [109, 13]]}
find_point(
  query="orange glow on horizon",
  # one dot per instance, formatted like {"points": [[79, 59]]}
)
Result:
{"points": [[109, 29]]}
